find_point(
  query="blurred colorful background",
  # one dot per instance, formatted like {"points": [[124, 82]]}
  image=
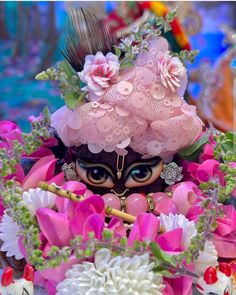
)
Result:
{"points": [[31, 33]]}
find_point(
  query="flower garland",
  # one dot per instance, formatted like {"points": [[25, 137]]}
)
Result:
{"points": [[207, 222]]}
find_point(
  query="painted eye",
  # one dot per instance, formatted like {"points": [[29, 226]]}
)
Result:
{"points": [[143, 174], [97, 175]]}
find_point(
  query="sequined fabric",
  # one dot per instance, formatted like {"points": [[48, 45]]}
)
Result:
{"points": [[138, 111]]}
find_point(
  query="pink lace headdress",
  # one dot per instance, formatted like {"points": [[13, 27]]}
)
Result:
{"points": [[140, 106]]}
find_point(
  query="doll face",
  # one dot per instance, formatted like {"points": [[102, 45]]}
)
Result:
{"points": [[109, 173]]}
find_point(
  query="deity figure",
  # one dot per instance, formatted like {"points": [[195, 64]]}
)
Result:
{"points": [[120, 143], [121, 140]]}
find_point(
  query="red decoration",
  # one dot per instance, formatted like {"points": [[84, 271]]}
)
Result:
{"points": [[210, 275], [29, 273], [7, 276], [225, 268]]}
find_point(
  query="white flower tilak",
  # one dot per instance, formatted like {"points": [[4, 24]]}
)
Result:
{"points": [[38, 198], [112, 276], [9, 234], [171, 222]]}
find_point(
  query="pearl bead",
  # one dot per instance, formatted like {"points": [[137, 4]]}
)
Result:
{"points": [[136, 204], [112, 201]]}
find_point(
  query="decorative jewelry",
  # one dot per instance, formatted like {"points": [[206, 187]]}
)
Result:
{"points": [[150, 201], [70, 172], [171, 173], [120, 169]]}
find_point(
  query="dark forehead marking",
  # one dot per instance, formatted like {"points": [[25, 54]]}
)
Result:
{"points": [[108, 159]]}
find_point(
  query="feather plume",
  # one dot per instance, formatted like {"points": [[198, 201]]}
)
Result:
{"points": [[85, 34]]}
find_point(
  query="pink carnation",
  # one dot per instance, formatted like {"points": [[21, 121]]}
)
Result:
{"points": [[99, 72], [170, 69]]}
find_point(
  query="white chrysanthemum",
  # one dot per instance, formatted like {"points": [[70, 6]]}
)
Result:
{"points": [[38, 198], [9, 234], [112, 276], [171, 222], [206, 258]]}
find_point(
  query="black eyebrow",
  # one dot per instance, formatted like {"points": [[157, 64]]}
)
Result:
{"points": [[88, 164], [151, 162]]}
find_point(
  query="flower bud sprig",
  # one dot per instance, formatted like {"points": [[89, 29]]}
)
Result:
{"points": [[12, 190], [186, 55], [207, 223], [69, 83], [137, 42]]}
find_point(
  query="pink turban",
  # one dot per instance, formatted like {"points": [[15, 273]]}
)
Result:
{"points": [[143, 109]]}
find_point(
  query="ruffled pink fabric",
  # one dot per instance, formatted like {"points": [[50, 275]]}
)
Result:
{"points": [[138, 111]]}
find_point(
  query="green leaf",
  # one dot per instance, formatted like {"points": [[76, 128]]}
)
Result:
{"points": [[192, 152], [228, 146], [159, 21], [71, 100], [65, 67], [171, 15], [82, 96], [161, 270], [117, 52], [231, 135], [126, 64], [161, 255]]}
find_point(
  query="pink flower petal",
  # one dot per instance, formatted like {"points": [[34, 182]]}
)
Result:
{"points": [[117, 226], [94, 223], [171, 241], [55, 226], [145, 227], [85, 208], [42, 170]]}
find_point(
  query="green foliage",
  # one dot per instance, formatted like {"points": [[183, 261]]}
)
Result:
{"points": [[69, 83], [192, 152], [161, 255], [137, 43]]}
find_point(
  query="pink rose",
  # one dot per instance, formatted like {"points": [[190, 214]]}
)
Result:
{"points": [[171, 70], [99, 72]]}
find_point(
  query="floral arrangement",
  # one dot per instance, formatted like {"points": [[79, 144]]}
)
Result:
{"points": [[74, 240], [194, 230]]}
